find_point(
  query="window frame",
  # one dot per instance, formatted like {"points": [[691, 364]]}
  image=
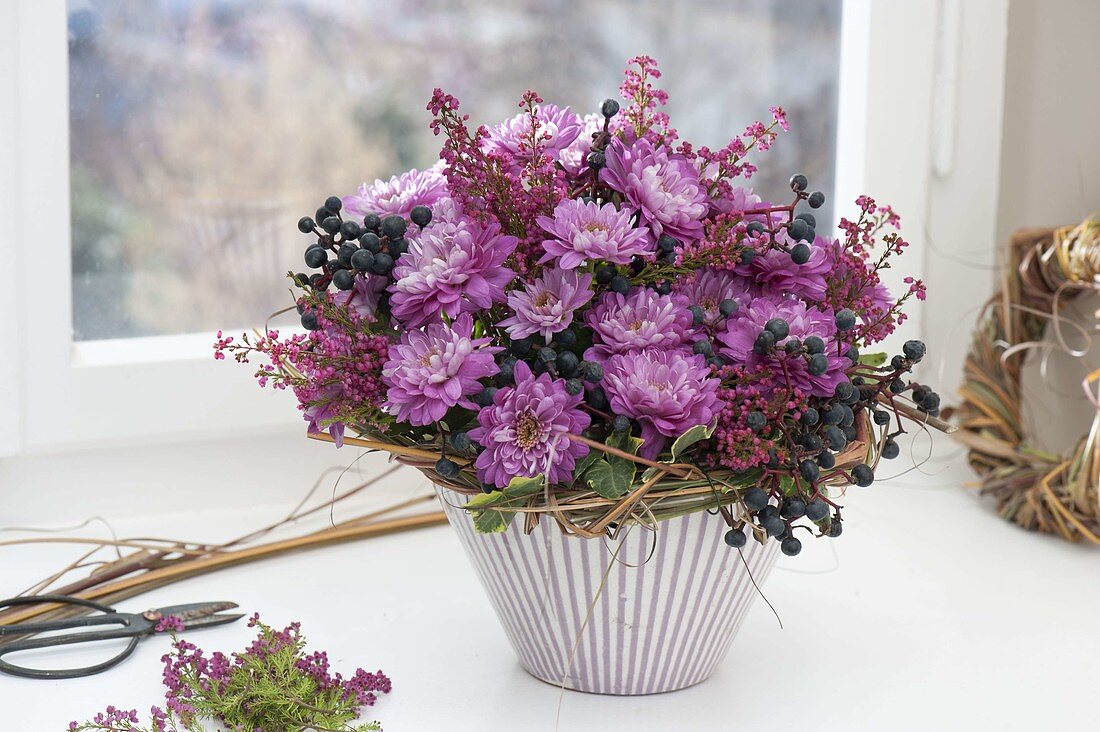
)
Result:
{"points": [[56, 392]]}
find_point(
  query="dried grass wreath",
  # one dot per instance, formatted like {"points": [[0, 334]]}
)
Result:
{"points": [[1040, 491]]}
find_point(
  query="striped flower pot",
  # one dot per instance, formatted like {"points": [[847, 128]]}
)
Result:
{"points": [[647, 613]]}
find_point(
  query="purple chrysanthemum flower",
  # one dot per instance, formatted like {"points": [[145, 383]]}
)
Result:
{"points": [[558, 128], [741, 332], [367, 291], [667, 392], [737, 200], [639, 320], [776, 271], [546, 306], [707, 288], [320, 414], [525, 431], [590, 231], [451, 268], [398, 195], [664, 188], [431, 370]]}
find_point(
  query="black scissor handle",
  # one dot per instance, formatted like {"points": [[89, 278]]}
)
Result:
{"points": [[28, 644]]}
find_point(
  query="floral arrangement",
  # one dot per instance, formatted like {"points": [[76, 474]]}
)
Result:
{"points": [[588, 318], [273, 685]]}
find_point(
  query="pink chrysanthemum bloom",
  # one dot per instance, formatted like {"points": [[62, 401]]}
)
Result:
{"points": [[398, 195], [738, 199], [367, 291], [546, 306], [707, 288], [664, 188], [667, 392], [451, 268], [590, 231], [431, 370], [776, 271], [558, 128], [741, 332], [639, 320], [525, 431]]}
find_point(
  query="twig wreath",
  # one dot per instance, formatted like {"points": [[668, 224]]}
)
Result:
{"points": [[1040, 491]]}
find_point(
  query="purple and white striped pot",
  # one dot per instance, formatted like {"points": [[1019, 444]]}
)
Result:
{"points": [[647, 613]]}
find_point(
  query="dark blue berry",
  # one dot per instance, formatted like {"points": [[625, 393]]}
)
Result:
{"points": [[800, 253], [620, 284], [460, 441], [814, 344], [764, 343], [485, 397], [351, 230], [547, 354], [882, 418], [835, 438], [863, 475], [835, 529], [316, 256], [362, 260], [333, 203], [343, 279], [372, 221], [747, 255], [567, 362], [793, 346], [755, 499], [818, 364], [703, 348], [778, 328], [596, 159], [727, 307], [343, 255], [421, 215], [791, 546], [775, 526], [521, 346], [798, 182], [826, 460], [913, 350], [446, 468], [698, 315], [591, 371], [604, 274], [845, 391], [371, 242], [810, 416], [817, 510], [794, 508], [890, 450], [383, 264], [566, 338], [756, 421], [305, 225], [394, 226], [666, 243], [596, 398], [331, 224], [809, 219], [816, 199], [309, 320], [755, 228], [609, 108], [574, 386], [809, 470], [798, 229], [736, 538], [621, 423], [845, 319]]}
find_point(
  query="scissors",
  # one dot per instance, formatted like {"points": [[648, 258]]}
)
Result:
{"points": [[134, 626]]}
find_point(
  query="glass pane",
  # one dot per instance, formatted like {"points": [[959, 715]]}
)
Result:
{"points": [[202, 130]]}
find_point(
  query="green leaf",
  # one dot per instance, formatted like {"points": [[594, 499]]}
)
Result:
{"points": [[625, 442], [611, 478], [585, 462], [873, 359], [493, 512], [689, 438]]}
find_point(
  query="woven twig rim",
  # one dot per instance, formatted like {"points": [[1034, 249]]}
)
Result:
{"points": [[674, 489], [1040, 491]]}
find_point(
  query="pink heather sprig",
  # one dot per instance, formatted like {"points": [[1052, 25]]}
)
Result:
{"points": [[729, 161], [272, 684], [641, 114]]}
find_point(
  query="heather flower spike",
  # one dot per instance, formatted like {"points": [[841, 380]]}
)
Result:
{"points": [[573, 296]]}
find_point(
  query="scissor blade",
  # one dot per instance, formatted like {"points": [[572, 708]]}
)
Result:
{"points": [[191, 611], [210, 621]]}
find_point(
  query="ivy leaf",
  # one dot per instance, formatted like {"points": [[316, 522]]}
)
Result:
{"points": [[689, 438], [873, 359], [585, 462], [625, 442], [493, 512], [612, 478]]}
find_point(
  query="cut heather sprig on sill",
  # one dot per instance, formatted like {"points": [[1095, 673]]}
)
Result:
{"points": [[273, 685], [559, 283]]}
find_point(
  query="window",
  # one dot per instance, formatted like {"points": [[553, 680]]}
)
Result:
{"points": [[181, 142]]}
